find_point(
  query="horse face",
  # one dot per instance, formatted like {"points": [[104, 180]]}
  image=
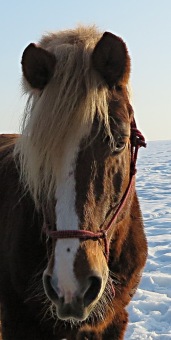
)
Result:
{"points": [[94, 171], [77, 280]]}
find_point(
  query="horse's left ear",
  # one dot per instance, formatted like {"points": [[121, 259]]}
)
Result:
{"points": [[38, 66], [111, 59]]}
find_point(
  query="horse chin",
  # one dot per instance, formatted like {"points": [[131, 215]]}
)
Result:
{"points": [[75, 316]]}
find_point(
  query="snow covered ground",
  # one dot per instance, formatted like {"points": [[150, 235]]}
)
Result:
{"points": [[150, 310]]}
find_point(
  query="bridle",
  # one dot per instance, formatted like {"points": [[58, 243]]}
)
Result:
{"points": [[137, 140]]}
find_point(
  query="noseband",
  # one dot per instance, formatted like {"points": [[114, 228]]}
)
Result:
{"points": [[137, 140]]}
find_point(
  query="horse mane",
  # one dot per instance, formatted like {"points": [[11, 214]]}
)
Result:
{"points": [[57, 118]]}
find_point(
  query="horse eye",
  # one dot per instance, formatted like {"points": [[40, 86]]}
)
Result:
{"points": [[119, 145]]}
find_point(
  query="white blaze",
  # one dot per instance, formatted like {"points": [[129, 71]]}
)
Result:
{"points": [[63, 278]]}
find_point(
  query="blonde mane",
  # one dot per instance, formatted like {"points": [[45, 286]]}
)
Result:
{"points": [[63, 113]]}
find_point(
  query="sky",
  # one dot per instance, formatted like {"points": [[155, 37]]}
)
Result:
{"points": [[145, 26]]}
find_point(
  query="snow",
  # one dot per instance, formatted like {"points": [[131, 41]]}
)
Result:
{"points": [[150, 309]]}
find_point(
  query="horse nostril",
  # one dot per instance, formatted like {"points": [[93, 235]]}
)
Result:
{"points": [[93, 290], [50, 291]]}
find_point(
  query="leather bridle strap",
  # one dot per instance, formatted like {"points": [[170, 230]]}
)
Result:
{"points": [[137, 140]]}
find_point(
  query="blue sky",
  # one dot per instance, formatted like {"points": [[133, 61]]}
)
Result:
{"points": [[145, 25]]}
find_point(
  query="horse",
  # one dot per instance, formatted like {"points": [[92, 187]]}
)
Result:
{"points": [[72, 240]]}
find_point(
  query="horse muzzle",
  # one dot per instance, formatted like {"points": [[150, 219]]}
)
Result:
{"points": [[74, 306]]}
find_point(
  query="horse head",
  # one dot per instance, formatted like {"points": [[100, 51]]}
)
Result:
{"points": [[75, 151]]}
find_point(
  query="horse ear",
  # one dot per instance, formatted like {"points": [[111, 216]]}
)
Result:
{"points": [[111, 59], [38, 66]]}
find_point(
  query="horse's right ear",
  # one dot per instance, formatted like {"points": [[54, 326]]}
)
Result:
{"points": [[111, 59], [38, 66]]}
